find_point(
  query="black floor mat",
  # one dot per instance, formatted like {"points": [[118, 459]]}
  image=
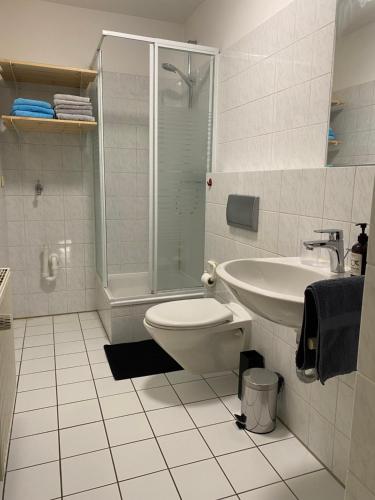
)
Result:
{"points": [[137, 359]]}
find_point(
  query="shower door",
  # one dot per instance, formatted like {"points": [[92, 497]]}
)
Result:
{"points": [[181, 139]]}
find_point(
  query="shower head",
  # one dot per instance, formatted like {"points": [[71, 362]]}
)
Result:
{"points": [[173, 69], [169, 67]]}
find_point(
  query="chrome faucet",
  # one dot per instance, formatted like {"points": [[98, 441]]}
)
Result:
{"points": [[335, 246]]}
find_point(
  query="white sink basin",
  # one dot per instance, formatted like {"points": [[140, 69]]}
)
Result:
{"points": [[272, 288]]}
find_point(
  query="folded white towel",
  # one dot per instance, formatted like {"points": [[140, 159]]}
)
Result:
{"points": [[69, 97], [83, 118], [58, 102]]}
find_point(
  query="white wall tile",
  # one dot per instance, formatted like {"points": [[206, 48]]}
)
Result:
{"points": [[363, 189], [302, 59], [344, 412], [363, 433], [355, 490], [320, 96], [339, 194], [341, 449], [321, 436], [366, 343], [323, 50], [288, 235], [324, 398], [291, 187], [312, 192]]}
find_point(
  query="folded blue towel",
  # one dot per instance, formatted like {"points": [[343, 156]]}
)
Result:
{"points": [[32, 102], [32, 114], [35, 109], [331, 133]]}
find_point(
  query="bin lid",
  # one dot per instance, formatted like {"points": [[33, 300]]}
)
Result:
{"points": [[260, 379]]}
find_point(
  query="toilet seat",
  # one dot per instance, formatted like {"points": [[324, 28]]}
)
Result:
{"points": [[189, 314]]}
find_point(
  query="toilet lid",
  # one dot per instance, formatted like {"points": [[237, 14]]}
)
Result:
{"points": [[189, 314]]}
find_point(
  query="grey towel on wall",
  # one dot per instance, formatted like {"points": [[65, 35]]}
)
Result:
{"points": [[332, 316], [82, 118], [69, 97]]}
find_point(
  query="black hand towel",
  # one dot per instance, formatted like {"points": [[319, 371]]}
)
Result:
{"points": [[332, 316]]}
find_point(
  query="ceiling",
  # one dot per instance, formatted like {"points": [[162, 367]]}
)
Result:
{"points": [[164, 10]]}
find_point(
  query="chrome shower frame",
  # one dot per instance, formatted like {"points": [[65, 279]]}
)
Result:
{"points": [[154, 45]]}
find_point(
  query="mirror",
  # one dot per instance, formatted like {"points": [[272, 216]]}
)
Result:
{"points": [[351, 139]]}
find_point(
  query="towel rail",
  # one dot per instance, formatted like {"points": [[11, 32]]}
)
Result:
{"points": [[310, 375], [312, 343]]}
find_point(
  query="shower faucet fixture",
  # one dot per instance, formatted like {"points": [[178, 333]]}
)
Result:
{"points": [[190, 82], [38, 188], [173, 69]]}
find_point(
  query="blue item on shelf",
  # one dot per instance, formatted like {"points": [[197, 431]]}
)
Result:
{"points": [[32, 102], [32, 114], [34, 109], [331, 133]]}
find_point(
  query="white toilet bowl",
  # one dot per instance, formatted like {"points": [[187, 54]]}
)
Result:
{"points": [[202, 335]]}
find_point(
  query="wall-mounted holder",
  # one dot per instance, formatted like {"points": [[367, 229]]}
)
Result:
{"points": [[243, 211], [307, 376], [38, 188], [50, 265], [208, 277]]}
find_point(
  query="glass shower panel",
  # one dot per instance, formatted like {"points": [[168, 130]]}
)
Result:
{"points": [[94, 141], [126, 141], [184, 124]]}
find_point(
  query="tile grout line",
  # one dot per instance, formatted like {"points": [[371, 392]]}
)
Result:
{"points": [[14, 408], [58, 415], [156, 440], [103, 420], [259, 448], [273, 54], [250, 440], [217, 462], [146, 439]]}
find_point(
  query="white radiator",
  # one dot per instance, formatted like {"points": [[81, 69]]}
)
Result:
{"points": [[7, 368]]}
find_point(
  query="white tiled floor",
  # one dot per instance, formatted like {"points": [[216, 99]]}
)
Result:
{"points": [[80, 435]]}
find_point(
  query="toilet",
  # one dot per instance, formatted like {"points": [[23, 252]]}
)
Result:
{"points": [[202, 335]]}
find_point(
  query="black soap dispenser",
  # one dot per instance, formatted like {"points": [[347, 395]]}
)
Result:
{"points": [[359, 253]]}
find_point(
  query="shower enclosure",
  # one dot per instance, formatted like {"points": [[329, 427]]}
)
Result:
{"points": [[153, 150]]}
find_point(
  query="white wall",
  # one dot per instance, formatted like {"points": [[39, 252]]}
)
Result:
{"points": [[354, 58], [361, 479], [219, 23], [293, 203], [274, 100], [274, 92], [35, 30]]}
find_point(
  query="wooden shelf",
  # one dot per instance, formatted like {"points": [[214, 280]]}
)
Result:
{"points": [[47, 74], [337, 102], [337, 106], [334, 142], [54, 126]]}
